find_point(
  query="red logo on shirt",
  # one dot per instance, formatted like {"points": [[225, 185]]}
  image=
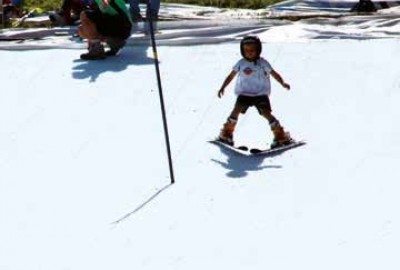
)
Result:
{"points": [[248, 71]]}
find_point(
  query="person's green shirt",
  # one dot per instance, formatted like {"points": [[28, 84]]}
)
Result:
{"points": [[111, 9]]}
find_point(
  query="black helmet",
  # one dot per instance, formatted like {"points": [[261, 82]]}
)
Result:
{"points": [[251, 40]]}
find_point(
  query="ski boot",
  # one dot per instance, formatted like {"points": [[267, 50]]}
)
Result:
{"points": [[281, 137], [96, 52], [226, 134]]}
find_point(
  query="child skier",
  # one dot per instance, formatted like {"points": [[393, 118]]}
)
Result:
{"points": [[253, 88]]}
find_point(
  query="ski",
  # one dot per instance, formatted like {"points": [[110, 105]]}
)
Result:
{"points": [[243, 150], [276, 150]]}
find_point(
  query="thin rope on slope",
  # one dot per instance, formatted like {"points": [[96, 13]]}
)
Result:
{"points": [[192, 135]]}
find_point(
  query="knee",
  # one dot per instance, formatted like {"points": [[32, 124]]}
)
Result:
{"points": [[83, 17], [87, 29], [266, 113], [235, 112]]}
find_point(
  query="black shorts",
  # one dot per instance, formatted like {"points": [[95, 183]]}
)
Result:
{"points": [[116, 26], [260, 102]]}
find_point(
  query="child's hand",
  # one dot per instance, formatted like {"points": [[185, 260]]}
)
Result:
{"points": [[221, 92], [286, 85]]}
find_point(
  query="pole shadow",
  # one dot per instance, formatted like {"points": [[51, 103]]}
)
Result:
{"points": [[92, 70], [141, 206], [239, 165]]}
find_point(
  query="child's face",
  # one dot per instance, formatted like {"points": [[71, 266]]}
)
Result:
{"points": [[250, 51]]}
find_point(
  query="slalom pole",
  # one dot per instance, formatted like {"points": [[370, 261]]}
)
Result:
{"points": [[149, 17]]}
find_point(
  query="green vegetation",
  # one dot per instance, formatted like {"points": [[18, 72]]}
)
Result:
{"points": [[43, 4], [251, 4]]}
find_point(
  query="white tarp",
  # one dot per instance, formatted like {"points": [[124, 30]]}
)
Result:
{"points": [[332, 6], [191, 25]]}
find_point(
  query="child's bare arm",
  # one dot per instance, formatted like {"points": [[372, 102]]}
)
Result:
{"points": [[226, 82], [279, 79]]}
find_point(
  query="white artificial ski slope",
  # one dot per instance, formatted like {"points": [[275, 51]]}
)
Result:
{"points": [[84, 180]]}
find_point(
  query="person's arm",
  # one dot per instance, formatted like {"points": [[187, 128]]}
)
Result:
{"points": [[226, 82], [105, 3], [279, 79]]}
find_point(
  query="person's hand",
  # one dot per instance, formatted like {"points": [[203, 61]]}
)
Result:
{"points": [[221, 92], [286, 85]]}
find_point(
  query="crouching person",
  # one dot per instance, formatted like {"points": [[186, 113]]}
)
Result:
{"points": [[109, 23]]}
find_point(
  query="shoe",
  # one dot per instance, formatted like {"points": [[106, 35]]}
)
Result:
{"points": [[281, 137], [226, 134], [276, 144], [226, 140], [96, 52], [115, 45]]}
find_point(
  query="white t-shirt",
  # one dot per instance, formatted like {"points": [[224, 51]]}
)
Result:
{"points": [[253, 78]]}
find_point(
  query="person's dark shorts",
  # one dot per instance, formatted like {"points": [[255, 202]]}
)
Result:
{"points": [[110, 25], [260, 102]]}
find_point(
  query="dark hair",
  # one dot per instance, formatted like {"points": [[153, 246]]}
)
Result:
{"points": [[251, 40]]}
